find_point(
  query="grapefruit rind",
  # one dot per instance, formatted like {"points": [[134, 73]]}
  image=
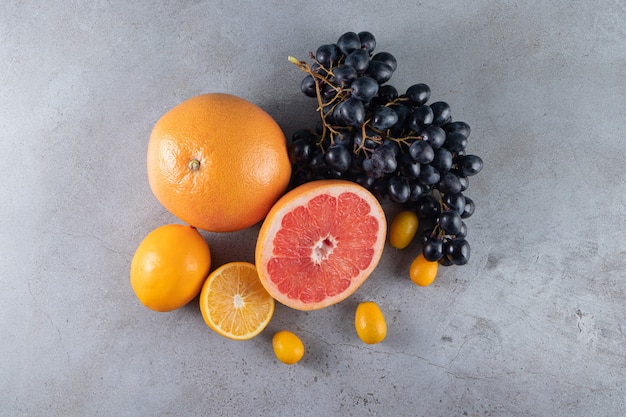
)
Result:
{"points": [[319, 243]]}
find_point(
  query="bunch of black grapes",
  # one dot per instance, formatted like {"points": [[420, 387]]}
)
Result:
{"points": [[399, 146]]}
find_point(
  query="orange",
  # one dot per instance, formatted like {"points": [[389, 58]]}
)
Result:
{"points": [[422, 271], [234, 303], [218, 162], [169, 267], [288, 347], [319, 243], [403, 229], [370, 323]]}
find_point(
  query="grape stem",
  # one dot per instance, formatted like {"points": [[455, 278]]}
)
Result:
{"points": [[361, 147], [318, 78], [342, 94]]}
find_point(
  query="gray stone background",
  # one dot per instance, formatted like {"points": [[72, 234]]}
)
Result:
{"points": [[533, 326]]}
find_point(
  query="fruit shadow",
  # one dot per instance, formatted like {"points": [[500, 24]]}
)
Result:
{"points": [[292, 113], [232, 246]]}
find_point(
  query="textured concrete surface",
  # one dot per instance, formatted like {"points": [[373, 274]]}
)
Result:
{"points": [[533, 326]]}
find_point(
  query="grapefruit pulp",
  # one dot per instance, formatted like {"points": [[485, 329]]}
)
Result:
{"points": [[319, 243]]}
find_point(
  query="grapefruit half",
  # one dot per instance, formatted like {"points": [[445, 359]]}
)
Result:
{"points": [[319, 243]]}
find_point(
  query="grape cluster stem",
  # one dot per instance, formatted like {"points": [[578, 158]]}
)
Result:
{"points": [[341, 95]]}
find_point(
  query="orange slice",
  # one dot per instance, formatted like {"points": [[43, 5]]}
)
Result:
{"points": [[234, 303], [319, 243]]}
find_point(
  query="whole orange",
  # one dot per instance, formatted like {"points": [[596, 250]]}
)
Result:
{"points": [[218, 162], [169, 267]]}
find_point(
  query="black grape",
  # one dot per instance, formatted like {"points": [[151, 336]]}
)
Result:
{"points": [[450, 222], [418, 94], [379, 71], [350, 112], [433, 249], [318, 69], [384, 117], [470, 165], [339, 158], [455, 142], [387, 93], [364, 88], [317, 164], [463, 180], [364, 180], [429, 175], [449, 183], [388, 157], [379, 189], [372, 168], [426, 235], [368, 41], [457, 251], [442, 160], [421, 152], [463, 231], [300, 151], [358, 59], [421, 117], [404, 114], [328, 92], [442, 112], [348, 42], [344, 75], [417, 190], [434, 135], [390, 145], [457, 127], [455, 202], [360, 142], [382, 161], [427, 206], [387, 58], [444, 261], [307, 86], [327, 55], [408, 167], [468, 209], [342, 138], [398, 189]]}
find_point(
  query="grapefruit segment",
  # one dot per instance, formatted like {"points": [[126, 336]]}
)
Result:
{"points": [[319, 243]]}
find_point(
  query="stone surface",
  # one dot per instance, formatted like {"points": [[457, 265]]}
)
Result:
{"points": [[533, 326]]}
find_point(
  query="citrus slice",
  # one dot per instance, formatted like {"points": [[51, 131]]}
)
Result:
{"points": [[319, 243], [234, 303]]}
